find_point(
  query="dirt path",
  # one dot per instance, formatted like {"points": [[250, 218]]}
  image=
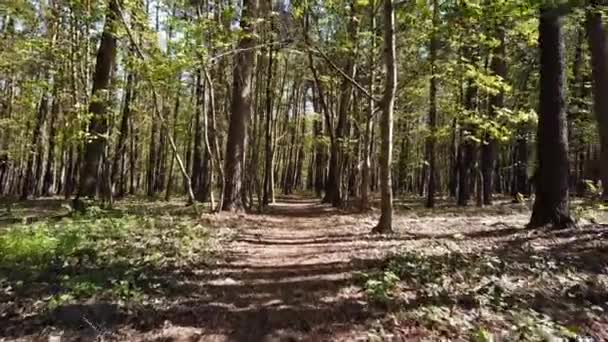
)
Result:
{"points": [[288, 275]]}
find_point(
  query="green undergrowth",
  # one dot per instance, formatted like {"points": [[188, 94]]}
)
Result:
{"points": [[487, 297], [100, 255]]}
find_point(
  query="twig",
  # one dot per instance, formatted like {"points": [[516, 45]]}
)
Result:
{"points": [[235, 51]]}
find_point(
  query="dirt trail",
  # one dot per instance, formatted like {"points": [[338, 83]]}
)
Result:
{"points": [[288, 276]]}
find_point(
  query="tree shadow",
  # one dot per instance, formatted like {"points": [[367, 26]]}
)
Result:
{"points": [[245, 302], [583, 253]]}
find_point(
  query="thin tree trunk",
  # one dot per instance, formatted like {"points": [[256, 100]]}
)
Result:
{"points": [[269, 152], [121, 146], [172, 163], [489, 147], [369, 123], [430, 201], [385, 225], [49, 177], [34, 156]]}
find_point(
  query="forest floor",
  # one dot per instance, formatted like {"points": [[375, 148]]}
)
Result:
{"points": [[302, 271]]}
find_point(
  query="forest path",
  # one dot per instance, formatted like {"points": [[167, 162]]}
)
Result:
{"points": [[288, 275]]}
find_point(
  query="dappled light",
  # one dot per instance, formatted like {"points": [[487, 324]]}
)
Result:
{"points": [[303, 170], [301, 270]]}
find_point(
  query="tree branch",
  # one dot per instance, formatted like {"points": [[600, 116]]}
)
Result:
{"points": [[343, 74]]}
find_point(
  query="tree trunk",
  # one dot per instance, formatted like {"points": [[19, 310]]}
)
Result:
{"points": [[385, 225], [172, 162], [240, 109], [454, 160], [121, 145], [319, 147], [430, 201], [599, 62], [466, 164], [34, 157], [552, 202], [197, 151], [269, 151], [49, 173], [369, 120], [489, 147], [98, 126], [333, 188]]}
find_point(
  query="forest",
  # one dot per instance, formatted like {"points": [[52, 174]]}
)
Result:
{"points": [[303, 170]]}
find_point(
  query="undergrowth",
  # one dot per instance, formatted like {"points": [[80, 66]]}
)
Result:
{"points": [[483, 296], [123, 258]]}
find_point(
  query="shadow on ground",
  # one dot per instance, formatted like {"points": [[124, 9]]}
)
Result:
{"points": [[262, 286]]}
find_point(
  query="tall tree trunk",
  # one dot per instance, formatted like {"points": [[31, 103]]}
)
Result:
{"points": [[489, 147], [133, 157], [121, 145], [599, 62], [466, 165], [369, 123], [454, 159], [430, 201], [34, 157], [552, 202], [333, 188], [269, 151], [385, 225], [49, 175], [152, 162], [212, 141], [98, 126], [197, 152], [172, 162], [240, 109], [320, 148]]}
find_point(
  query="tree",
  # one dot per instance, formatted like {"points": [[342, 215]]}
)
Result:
{"points": [[552, 204], [385, 225], [599, 65], [333, 186], [430, 201], [489, 148], [240, 109], [369, 120], [98, 126]]}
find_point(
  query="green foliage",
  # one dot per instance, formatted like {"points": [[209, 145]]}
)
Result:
{"points": [[471, 283], [97, 255], [380, 286]]}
